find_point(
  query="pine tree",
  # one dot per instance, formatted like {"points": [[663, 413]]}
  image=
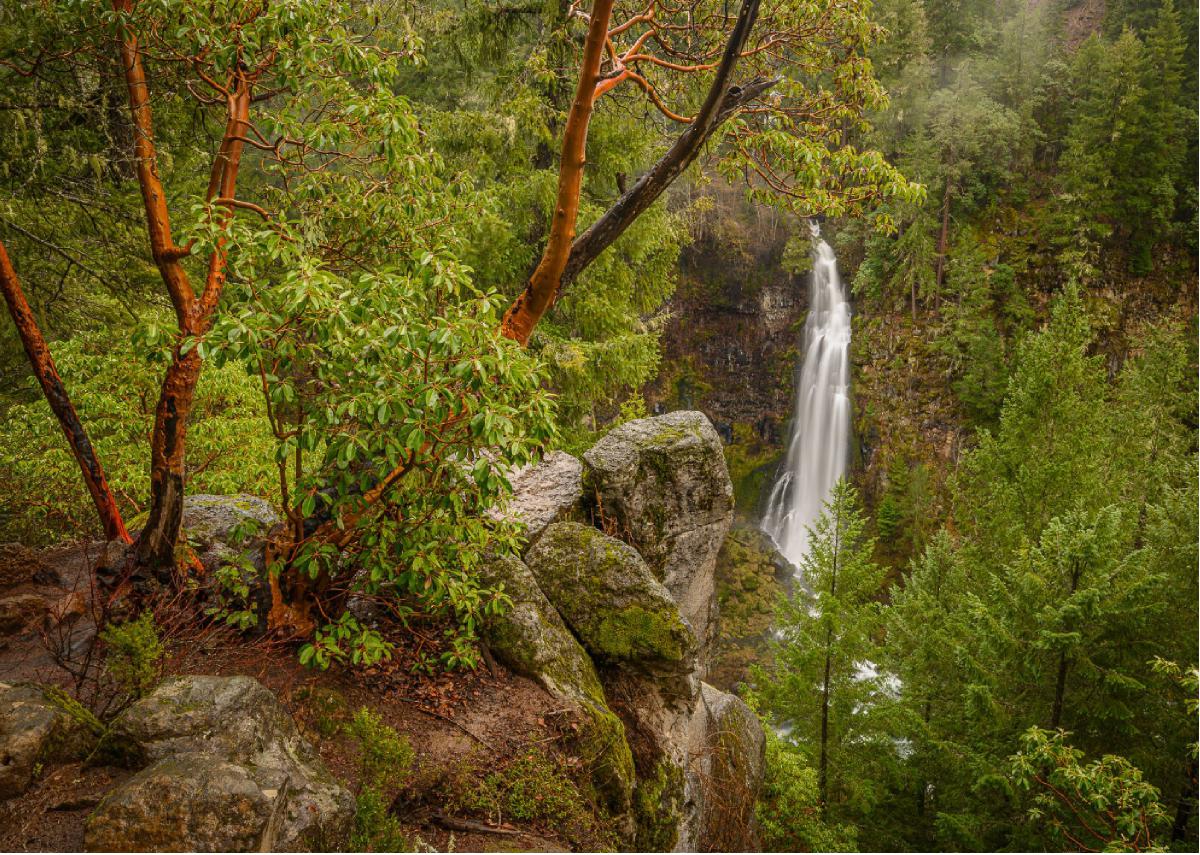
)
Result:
{"points": [[824, 684]]}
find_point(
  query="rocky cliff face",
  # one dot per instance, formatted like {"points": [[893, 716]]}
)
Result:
{"points": [[729, 349], [616, 611]]}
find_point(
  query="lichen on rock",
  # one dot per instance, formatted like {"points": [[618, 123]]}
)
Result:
{"points": [[35, 729], [195, 802], [234, 720], [544, 493], [662, 484], [532, 639], [610, 599]]}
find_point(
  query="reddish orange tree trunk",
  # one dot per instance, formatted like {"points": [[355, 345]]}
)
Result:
{"points": [[60, 402], [539, 293], [194, 314], [566, 256]]}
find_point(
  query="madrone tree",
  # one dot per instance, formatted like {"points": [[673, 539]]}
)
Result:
{"points": [[318, 251], [776, 92]]}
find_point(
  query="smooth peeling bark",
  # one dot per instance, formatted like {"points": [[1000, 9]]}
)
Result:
{"points": [[167, 254], [540, 291], [60, 403], [721, 102], [156, 544]]}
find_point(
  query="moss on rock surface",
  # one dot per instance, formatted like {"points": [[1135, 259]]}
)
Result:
{"points": [[751, 577], [609, 598], [661, 485], [604, 749], [532, 639], [36, 728], [658, 804], [752, 463]]}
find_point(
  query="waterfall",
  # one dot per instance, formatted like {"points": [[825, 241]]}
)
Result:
{"points": [[819, 447]]}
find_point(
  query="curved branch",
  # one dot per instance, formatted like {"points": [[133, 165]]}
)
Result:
{"points": [[722, 102], [542, 288]]}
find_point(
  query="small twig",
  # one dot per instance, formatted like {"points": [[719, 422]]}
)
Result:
{"points": [[417, 706], [452, 823]]}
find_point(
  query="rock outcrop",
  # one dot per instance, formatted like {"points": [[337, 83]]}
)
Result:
{"points": [[212, 523], [663, 486], [532, 639], [614, 610], [544, 493], [731, 761], [620, 621], [228, 771], [36, 726], [610, 599]]}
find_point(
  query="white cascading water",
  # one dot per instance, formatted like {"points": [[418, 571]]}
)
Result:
{"points": [[819, 447]]}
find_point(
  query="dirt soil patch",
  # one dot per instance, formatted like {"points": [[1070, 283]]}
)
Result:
{"points": [[473, 723]]}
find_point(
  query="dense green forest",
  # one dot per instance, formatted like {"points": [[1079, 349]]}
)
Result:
{"points": [[364, 259]]}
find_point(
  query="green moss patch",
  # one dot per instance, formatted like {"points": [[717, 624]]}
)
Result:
{"points": [[658, 807], [608, 596], [747, 590]]}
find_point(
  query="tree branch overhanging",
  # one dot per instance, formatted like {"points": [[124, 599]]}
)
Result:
{"points": [[557, 269]]}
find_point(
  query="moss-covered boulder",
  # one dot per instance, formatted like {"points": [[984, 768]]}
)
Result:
{"points": [[233, 720], [532, 639], [609, 598], [193, 802], [662, 485], [729, 765]]}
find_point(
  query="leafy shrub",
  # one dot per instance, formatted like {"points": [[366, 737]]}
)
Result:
{"points": [[375, 828], [397, 412], [1104, 805], [115, 389], [134, 654]]}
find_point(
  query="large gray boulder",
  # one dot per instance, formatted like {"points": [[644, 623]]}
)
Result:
{"points": [[34, 729], [700, 764], [193, 802], [238, 721], [210, 524], [729, 763], [662, 485], [531, 638], [544, 493], [610, 599]]}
